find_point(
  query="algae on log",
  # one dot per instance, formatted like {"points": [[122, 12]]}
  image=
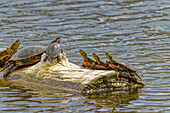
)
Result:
{"points": [[72, 77]]}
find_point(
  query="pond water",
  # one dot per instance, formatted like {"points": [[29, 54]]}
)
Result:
{"points": [[132, 31]]}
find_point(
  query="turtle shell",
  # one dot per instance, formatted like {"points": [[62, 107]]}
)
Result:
{"points": [[54, 50], [28, 51]]}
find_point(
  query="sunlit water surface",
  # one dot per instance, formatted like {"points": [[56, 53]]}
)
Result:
{"points": [[132, 31]]}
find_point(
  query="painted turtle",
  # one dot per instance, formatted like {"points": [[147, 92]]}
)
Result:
{"points": [[98, 64], [118, 66], [7, 53], [87, 62], [29, 56], [54, 50]]}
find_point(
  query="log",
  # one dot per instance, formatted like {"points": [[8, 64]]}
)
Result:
{"points": [[68, 76]]}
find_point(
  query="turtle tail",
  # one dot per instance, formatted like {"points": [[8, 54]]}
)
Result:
{"points": [[8, 70]]}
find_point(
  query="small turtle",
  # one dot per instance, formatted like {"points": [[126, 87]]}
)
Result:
{"points": [[30, 55], [98, 64], [87, 62], [118, 66], [54, 50], [8, 52]]}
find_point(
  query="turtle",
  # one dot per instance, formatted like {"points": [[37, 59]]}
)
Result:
{"points": [[87, 62], [7, 53], [54, 50], [98, 64], [30, 55], [118, 66]]}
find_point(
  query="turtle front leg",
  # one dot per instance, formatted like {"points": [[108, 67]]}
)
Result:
{"points": [[8, 70]]}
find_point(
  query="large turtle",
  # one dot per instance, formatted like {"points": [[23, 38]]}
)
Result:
{"points": [[6, 54], [31, 55]]}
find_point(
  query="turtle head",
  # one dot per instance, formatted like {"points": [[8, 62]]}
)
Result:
{"points": [[107, 62], [83, 54], [109, 56], [96, 57], [57, 40], [15, 45]]}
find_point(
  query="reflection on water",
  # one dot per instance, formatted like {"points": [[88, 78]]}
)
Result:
{"points": [[28, 98], [133, 31]]}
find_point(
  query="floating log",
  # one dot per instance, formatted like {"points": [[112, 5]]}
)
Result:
{"points": [[68, 76]]}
